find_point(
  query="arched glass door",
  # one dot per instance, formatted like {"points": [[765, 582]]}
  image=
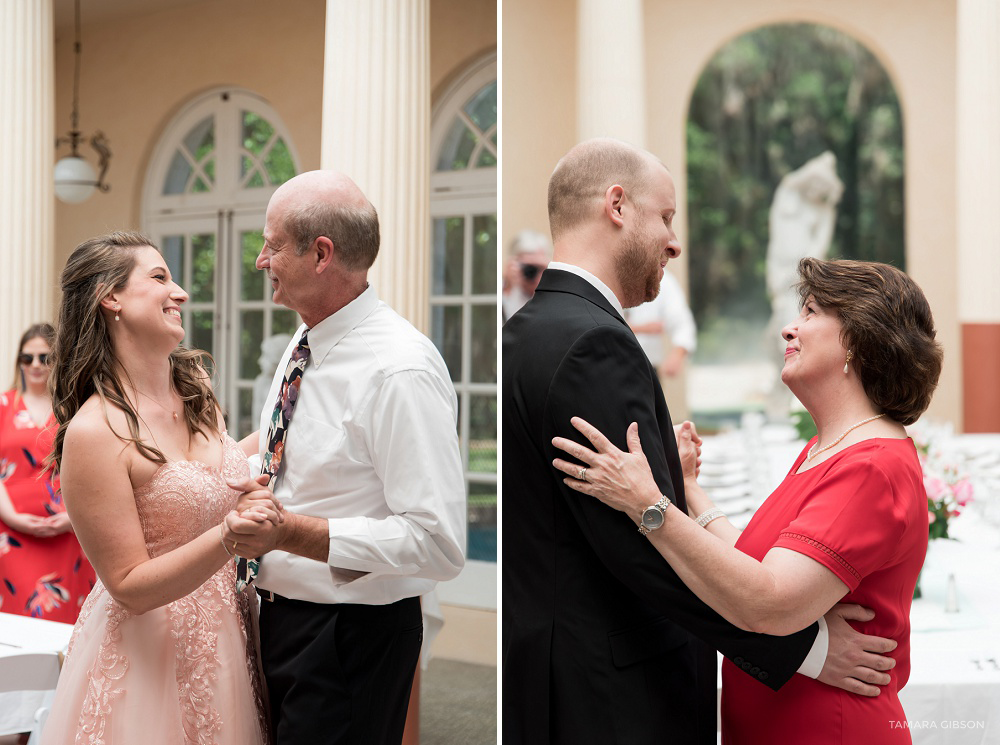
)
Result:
{"points": [[206, 192]]}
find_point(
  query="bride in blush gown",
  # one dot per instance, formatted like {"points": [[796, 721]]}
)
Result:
{"points": [[165, 650]]}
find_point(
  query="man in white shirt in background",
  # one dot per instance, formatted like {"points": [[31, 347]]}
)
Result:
{"points": [[667, 319], [370, 480]]}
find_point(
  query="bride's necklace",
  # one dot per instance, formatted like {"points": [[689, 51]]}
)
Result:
{"points": [[169, 411], [813, 452]]}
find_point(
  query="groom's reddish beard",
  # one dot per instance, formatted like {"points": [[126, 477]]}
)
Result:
{"points": [[638, 268]]}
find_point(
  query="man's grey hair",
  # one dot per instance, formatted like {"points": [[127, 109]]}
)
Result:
{"points": [[353, 230]]}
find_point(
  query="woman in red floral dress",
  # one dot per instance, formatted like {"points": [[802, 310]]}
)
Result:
{"points": [[43, 571]]}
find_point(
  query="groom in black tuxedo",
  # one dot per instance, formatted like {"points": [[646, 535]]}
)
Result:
{"points": [[602, 642]]}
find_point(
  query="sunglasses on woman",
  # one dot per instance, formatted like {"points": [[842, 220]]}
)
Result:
{"points": [[26, 359]]}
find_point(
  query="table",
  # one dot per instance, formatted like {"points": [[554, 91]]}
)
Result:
{"points": [[30, 657], [953, 696]]}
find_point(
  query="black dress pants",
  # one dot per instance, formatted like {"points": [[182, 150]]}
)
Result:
{"points": [[339, 674]]}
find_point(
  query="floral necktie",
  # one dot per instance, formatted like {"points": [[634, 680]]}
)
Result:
{"points": [[281, 417]]}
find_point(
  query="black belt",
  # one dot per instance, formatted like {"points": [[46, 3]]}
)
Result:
{"points": [[273, 597]]}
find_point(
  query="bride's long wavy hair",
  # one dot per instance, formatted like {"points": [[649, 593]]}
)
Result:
{"points": [[83, 358]]}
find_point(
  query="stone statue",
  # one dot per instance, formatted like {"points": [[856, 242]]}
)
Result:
{"points": [[271, 350], [802, 219]]}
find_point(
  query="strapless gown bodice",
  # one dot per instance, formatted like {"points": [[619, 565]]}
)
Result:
{"points": [[184, 498], [185, 673]]}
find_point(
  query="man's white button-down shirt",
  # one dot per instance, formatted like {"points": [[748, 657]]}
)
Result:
{"points": [[373, 448]]}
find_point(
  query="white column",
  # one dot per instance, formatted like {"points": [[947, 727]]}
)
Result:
{"points": [[611, 71], [27, 158], [978, 159], [376, 129], [978, 99]]}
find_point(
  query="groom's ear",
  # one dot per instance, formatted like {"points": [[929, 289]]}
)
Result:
{"points": [[614, 200]]}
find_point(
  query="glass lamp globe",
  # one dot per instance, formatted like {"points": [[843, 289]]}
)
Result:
{"points": [[75, 179]]}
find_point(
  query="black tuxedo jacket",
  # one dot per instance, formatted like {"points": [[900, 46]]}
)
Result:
{"points": [[602, 642]]}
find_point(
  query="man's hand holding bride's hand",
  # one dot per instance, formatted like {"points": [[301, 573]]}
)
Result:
{"points": [[621, 480], [253, 527], [689, 447], [257, 498]]}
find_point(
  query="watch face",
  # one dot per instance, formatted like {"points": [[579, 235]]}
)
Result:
{"points": [[652, 518]]}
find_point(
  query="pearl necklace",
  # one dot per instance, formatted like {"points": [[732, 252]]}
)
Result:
{"points": [[813, 452]]}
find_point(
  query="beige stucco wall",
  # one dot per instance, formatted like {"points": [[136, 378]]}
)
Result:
{"points": [[138, 72], [461, 32], [681, 36], [538, 106]]}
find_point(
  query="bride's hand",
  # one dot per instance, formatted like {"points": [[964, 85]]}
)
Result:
{"points": [[621, 480], [689, 448], [258, 499]]}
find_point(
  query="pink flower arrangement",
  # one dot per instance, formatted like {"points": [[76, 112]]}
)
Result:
{"points": [[948, 489]]}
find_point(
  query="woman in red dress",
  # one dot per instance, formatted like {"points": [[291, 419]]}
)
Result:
{"points": [[43, 572], [848, 523]]}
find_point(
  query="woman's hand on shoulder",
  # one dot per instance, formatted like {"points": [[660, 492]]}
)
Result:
{"points": [[621, 480]]}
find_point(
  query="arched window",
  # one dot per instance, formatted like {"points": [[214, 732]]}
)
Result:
{"points": [[766, 104], [464, 300], [206, 191]]}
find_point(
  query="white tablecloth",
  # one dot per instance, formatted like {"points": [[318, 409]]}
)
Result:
{"points": [[30, 652], [953, 696]]}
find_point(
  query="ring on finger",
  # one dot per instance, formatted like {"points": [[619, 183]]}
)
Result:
{"points": [[582, 474]]}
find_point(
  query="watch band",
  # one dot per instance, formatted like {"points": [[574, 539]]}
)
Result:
{"points": [[662, 506]]}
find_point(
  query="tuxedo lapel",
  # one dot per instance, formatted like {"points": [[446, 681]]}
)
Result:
{"points": [[556, 280]]}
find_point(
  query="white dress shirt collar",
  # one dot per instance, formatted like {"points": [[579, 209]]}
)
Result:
{"points": [[598, 284], [326, 334]]}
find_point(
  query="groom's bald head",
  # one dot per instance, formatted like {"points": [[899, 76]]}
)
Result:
{"points": [[586, 172]]}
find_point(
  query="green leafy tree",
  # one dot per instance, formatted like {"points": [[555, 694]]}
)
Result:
{"points": [[766, 103]]}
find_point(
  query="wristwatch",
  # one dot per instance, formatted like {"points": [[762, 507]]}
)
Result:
{"points": [[653, 516]]}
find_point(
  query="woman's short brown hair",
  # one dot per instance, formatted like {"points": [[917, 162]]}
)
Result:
{"points": [[887, 326]]}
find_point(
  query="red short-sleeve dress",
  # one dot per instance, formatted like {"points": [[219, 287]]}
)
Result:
{"points": [[863, 515], [42, 577]]}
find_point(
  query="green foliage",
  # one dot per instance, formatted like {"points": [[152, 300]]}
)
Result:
{"points": [[804, 425], [768, 102], [941, 511], [483, 458]]}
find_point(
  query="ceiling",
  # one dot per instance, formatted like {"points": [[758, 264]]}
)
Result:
{"points": [[102, 11]]}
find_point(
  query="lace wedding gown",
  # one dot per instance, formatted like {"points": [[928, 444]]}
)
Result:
{"points": [[183, 674]]}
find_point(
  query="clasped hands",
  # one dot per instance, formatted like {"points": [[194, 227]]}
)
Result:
{"points": [[37, 526], [255, 526]]}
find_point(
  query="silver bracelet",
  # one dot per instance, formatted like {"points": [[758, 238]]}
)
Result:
{"points": [[222, 537], [708, 516]]}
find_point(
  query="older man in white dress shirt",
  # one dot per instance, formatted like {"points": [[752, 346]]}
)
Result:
{"points": [[370, 480]]}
